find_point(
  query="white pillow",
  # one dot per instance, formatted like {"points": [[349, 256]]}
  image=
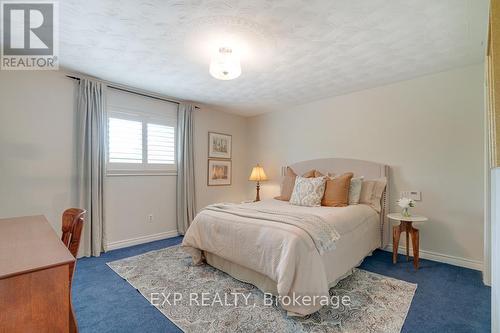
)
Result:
{"points": [[355, 190], [308, 191], [371, 192]]}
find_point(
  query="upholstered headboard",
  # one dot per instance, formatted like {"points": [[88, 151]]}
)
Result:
{"points": [[370, 170]]}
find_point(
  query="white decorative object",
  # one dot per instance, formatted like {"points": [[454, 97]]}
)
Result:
{"points": [[225, 64], [308, 191], [405, 204]]}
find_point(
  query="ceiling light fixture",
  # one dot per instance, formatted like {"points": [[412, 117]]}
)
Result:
{"points": [[225, 64]]}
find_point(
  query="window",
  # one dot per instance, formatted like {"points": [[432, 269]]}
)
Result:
{"points": [[161, 144], [125, 141], [141, 135]]}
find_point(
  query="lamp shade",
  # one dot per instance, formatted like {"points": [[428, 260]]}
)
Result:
{"points": [[258, 174]]}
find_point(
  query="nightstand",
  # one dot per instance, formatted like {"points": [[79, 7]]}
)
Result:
{"points": [[406, 226]]}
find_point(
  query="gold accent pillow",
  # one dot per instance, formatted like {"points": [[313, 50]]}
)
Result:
{"points": [[337, 191], [318, 174]]}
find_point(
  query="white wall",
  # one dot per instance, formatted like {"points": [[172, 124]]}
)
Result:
{"points": [[207, 120], [127, 203], [37, 162], [429, 130]]}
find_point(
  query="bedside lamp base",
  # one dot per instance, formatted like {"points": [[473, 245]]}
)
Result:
{"points": [[257, 197]]}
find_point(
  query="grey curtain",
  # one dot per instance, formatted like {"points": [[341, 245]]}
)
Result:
{"points": [[90, 109], [186, 205]]}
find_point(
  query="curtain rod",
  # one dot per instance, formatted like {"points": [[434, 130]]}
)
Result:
{"points": [[131, 90]]}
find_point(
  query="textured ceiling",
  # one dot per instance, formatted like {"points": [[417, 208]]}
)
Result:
{"points": [[294, 51]]}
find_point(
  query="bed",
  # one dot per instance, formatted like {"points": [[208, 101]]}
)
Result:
{"points": [[285, 259]]}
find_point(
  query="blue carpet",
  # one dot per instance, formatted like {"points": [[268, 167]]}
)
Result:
{"points": [[448, 298]]}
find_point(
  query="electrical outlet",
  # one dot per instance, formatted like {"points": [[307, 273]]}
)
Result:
{"points": [[415, 195], [149, 218]]}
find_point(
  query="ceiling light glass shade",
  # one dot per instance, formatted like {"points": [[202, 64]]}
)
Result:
{"points": [[225, 64]]}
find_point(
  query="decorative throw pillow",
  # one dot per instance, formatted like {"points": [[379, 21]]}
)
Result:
{"points": [[289, 182], [355, 190], [365, 196], [372, 191], [378, 191], [287, 185], [318, 174], [309, 174], [337, 191], [308, 191]]}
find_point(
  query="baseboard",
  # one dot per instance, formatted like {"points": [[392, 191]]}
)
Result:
{"points": [[141, 240], [444, 258]]}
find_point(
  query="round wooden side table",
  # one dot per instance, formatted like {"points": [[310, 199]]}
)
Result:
{"points": [[406, 226]]}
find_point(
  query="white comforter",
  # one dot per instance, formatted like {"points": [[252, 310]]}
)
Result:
{"points": [[283, 252]]}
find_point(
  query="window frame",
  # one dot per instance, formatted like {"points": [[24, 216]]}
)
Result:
{"points": [[144, 168]]}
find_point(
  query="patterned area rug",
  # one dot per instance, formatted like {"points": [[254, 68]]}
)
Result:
{"points": [[204, 299]]}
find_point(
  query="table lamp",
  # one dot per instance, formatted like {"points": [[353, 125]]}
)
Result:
{"points": [[258, 175]]}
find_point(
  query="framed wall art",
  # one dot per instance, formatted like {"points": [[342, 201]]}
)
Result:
{"points": [[219, 145], [219, 172]]}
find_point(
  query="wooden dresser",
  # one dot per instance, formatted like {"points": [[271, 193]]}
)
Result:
{"points": [[34, 269]]}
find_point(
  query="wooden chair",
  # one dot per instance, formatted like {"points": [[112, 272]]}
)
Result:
{"points": [[72, 225]]}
